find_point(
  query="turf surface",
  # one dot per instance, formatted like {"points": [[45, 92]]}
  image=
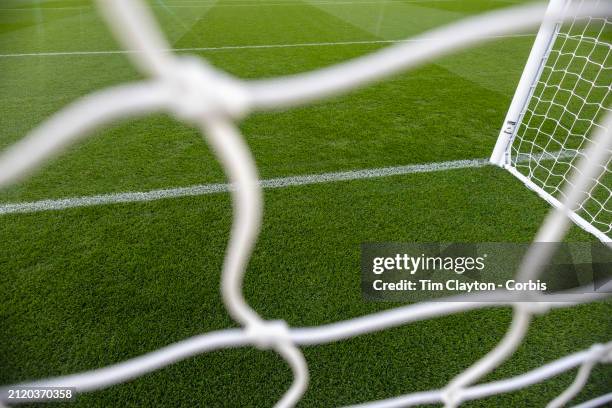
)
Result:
{"points": [[88, 287]]}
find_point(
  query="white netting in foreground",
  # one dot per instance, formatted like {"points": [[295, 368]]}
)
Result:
{"points": [[569, 99], [212, 100]]}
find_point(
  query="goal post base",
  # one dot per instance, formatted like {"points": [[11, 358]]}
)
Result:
{"points": [[562, 94]]}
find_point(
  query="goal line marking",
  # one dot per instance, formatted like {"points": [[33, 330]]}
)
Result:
{"points": [[234, 47], [204, 189]]}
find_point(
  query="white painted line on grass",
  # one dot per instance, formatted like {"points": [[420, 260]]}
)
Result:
{"points": [[203, 189], [198, 4], [234, 47]]}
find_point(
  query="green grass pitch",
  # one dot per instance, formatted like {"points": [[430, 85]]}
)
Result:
{"points": [[88, 287]]}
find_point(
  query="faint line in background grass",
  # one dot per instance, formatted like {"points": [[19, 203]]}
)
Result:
{"points": [[198, 4], [233, 47], [203, 189]]}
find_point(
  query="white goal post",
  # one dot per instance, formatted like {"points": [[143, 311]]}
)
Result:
{"points": [[562, 95]]}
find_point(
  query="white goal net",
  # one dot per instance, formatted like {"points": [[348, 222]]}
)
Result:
{"points": [[562, 105], [566, 162]]}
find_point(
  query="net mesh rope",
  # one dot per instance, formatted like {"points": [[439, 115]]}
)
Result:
{"points": [[213, 101], [569, 99]]}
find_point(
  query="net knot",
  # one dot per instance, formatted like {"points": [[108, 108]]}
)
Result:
{"points": [[267, 334], [599, 353], [535, 308], [198, 90], [452, 397]]}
